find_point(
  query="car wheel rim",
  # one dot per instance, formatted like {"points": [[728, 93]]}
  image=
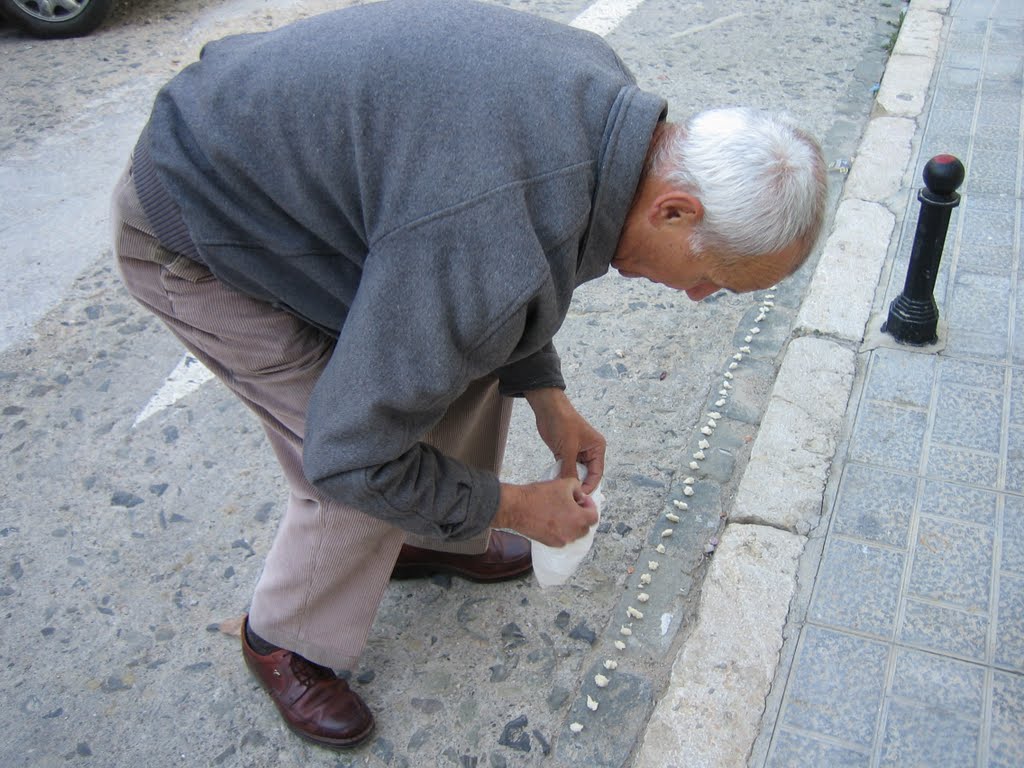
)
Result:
{"points": [[52, 10]]}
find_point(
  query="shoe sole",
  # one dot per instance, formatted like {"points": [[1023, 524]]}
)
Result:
{"points": [[333, 743], [406, 572]]}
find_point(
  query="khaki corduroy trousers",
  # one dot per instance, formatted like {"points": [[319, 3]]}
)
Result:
{"points": [[327, 568]]}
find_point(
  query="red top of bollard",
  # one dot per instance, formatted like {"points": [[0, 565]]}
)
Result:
{"points": [[943, 174]]}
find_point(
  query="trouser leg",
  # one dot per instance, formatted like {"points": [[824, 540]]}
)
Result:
{"points": [[329, 564], [338, 562]]}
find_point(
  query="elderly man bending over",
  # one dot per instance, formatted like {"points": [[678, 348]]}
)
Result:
{"points": [[369, 225]]}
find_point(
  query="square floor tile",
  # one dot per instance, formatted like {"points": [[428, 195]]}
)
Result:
{"points": [[968, 417], [889, 436], [970, 60], [1001, 138], [999, 112], [875, 505], [1018, 336], [996, 90], [988, 345], [1006, 740], [981, 300], [970, 505], [985, 181], [960, 79], [1004, 207], [987, 172], [836, 686], [987, 226], [950, 121], [1004, 66], [972, 467], [962, 23], [954, 98], [1015, 459], [984, 258], [796, 750], [953, 564], [969, 38], [1010, 622], [1017, 383], [964, 317], [974, 15], [1008, 32], [858, 588], [901, 378], [946, 630], [915, 735], [953, 687], [1013, 536], [972, 374]]}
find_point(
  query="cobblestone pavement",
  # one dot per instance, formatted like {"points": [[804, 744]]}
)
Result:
{"points": [[906, 645]]}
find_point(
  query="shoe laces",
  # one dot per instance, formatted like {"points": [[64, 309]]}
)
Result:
{"points": [[308, 673]]}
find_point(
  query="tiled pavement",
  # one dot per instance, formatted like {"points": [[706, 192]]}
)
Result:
{"points": [[912, 648]]}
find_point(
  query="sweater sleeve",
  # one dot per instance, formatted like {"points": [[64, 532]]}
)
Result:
{"points": [[541, 369], [441, 303]]}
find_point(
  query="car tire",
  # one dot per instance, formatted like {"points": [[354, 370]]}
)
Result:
{"points": [[57, 18]]}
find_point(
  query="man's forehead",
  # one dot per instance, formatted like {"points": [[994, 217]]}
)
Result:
{"points": [[755, 273]]}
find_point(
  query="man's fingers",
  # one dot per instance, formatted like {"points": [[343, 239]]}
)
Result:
{"points": [[595, 471], [588, 505], [568, 459], [593, 459], [581, 497]]}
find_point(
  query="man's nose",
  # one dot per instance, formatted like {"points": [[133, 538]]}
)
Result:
{"points": [[701, 291]]}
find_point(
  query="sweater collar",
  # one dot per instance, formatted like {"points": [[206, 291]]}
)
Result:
{"points": [[627, 137]]}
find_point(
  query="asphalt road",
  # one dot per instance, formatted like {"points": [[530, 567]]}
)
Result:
{"points": [[124, 546]]}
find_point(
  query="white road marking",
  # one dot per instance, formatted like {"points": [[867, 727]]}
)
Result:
{"points": [[188, 376], [710, 25], [600, 18], [605, 15]]}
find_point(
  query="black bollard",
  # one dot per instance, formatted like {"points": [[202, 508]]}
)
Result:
{"points": [[913, 316]]}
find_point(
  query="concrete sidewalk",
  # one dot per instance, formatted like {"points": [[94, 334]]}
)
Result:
{"points": [[865, 605]]}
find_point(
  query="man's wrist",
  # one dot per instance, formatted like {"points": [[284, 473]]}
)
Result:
{"points": [[509, 503], [538, 398]]}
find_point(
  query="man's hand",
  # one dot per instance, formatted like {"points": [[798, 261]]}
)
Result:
{"points": [[569, 436], [555, 512]]}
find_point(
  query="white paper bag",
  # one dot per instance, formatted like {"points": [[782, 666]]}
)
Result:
{"points": [[554, 565]]}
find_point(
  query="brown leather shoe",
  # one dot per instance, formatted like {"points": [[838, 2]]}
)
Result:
{"points": [[314, 702], [507, 557]]}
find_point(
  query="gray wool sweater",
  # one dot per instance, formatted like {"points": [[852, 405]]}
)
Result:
{"points": [[428, 181]]}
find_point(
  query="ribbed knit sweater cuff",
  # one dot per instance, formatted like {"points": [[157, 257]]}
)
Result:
{"points": [[162, 212]]}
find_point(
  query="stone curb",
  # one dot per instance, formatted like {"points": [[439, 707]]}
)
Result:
{"points": [[790, 458], [699, 722], [877, 172], [711, 713], [842, 290]]}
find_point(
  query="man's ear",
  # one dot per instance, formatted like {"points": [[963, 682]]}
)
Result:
{"points": [[676, 208]]}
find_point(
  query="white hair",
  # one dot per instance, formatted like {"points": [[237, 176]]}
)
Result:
{"points": [[760, 179]]}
